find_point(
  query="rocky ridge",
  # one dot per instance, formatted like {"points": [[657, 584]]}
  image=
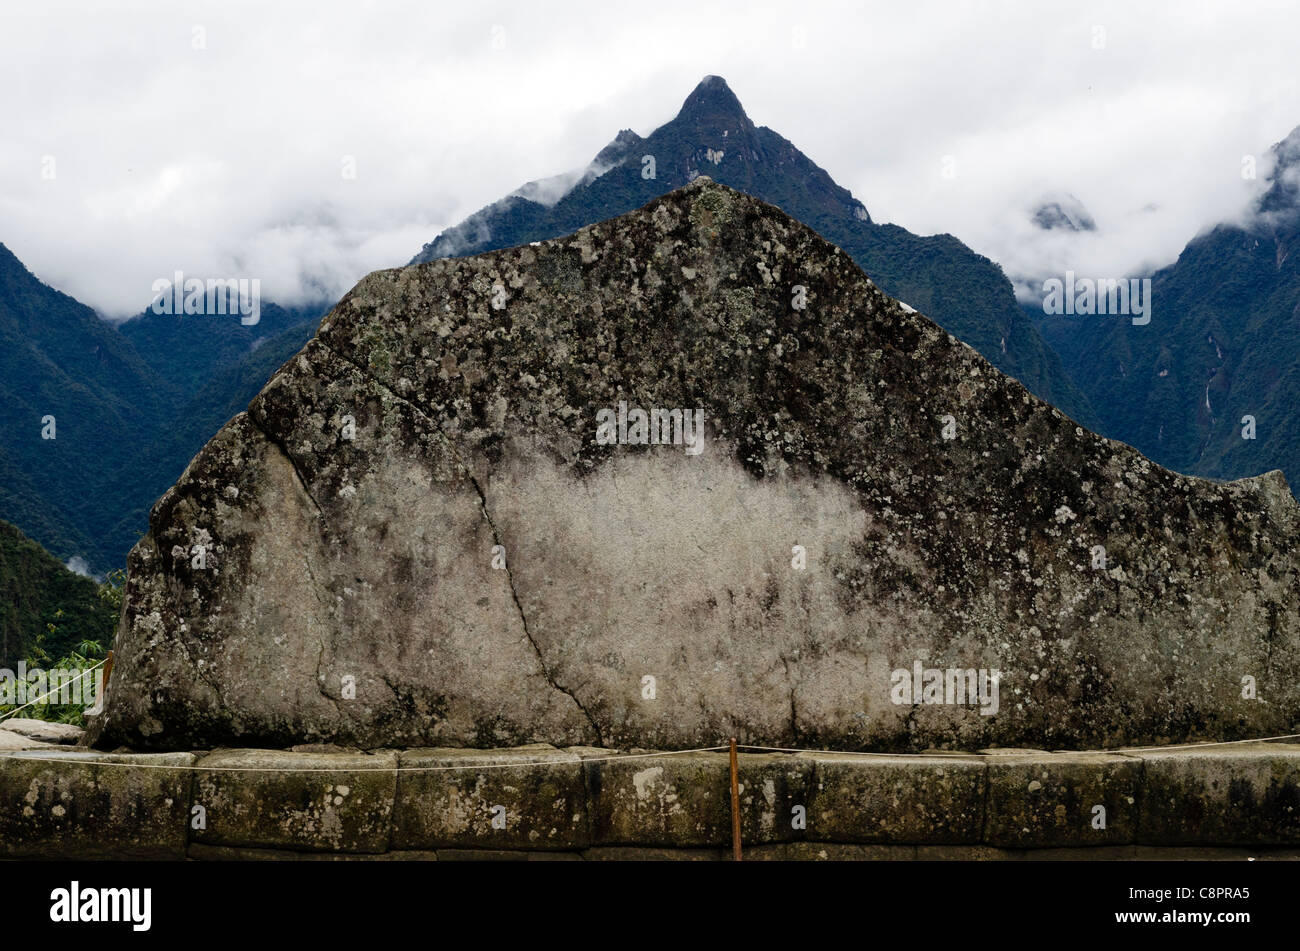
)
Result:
{"points": [[415, 538]]}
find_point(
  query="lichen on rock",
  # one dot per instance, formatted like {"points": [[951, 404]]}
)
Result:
{"points": [[414, 538]]}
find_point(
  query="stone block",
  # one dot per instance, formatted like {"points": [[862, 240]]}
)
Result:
{"points": [[311, 802], [1222, 795], [1050, 800], [530, 797], [897, 800], [82, 805]]}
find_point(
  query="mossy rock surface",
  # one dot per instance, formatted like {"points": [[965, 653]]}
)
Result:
{"points": [[1082, 800], [81, 805], [530, 797], [311, 802], [1222, 796], [915, 800], [685, 800], [415, 538]]}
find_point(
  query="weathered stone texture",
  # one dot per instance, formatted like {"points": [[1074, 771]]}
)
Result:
{"points": [[1220, 802], [685, 800], [530, 797], [320, 802], [71, 805], [1081, 800], [323, 571], [921, 800], [1225, 795]]}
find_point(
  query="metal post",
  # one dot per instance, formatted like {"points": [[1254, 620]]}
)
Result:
{"points": [[735, 802], [108, 670]]}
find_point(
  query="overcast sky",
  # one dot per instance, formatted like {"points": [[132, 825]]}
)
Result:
{"points": [[212, 137]]}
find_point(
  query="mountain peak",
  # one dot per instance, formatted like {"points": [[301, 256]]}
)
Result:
{"points": [[1284, 194], [1288, 150], [617, 150], [7, 255], [1062, 212], [713, 103]]}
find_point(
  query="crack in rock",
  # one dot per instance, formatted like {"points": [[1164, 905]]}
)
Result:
{"points": [[293, 463], [794, 712], [317, 588], [435, 429], [523, 619]]}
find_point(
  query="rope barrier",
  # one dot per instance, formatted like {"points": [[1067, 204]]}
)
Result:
{"points": [[784, 749], [1182, 746], [45, 756], [1122, 749]]}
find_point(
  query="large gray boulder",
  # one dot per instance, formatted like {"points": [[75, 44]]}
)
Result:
{"points": [[415, 538]]}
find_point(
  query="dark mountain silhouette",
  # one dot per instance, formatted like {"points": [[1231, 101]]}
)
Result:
{"points": [[1221, 345], [59, 359], [964, 292], [131, 405]]}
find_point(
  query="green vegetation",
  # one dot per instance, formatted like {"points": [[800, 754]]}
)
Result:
{"points": [[51, 617], [83, 657], [47, 611], [1221, 345], [132, 404]]}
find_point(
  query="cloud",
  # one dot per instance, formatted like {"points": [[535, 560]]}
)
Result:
{"points": [[221, 139], [78, 565]]}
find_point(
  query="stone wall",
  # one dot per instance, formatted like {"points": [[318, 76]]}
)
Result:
{"points": [[540, 802]]}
